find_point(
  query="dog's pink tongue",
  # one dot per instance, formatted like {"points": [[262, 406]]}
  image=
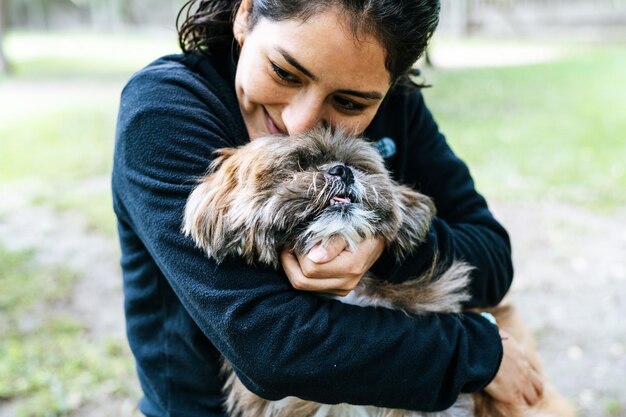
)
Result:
{"points": [[341, 199]]}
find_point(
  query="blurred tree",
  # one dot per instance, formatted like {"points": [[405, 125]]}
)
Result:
{"points": [[127, 12], [4, 63]]}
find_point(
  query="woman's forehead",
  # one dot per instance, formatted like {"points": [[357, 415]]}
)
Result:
{"points": [[328, 49]]}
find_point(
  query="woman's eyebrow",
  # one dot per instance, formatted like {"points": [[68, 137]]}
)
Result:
{"points": [[294, 62], [368, 95]]}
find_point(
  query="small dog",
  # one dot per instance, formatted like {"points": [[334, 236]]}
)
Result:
{"points": [[296, 192]]}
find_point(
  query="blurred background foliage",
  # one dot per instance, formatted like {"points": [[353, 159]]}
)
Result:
{"points": [[536, 107], [94, 14]]}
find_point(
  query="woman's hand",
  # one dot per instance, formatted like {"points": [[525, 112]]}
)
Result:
{"points": [[332, 269], [517, 380]]}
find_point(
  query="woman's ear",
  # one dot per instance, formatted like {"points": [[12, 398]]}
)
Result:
{"points": [[240, 25]]}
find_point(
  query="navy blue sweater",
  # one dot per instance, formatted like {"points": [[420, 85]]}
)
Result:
{"points": [[184, 312]]}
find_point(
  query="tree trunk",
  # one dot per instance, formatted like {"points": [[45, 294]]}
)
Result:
{"points": [[4, 63]]}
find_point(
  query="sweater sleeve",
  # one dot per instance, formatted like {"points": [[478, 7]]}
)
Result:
{"points": [[464, 228], [280, 342]]}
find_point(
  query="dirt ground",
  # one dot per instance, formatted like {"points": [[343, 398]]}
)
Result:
{"points": [[570, 287]]}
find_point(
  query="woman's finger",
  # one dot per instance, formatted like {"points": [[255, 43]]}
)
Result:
{"points": [[292, 268], [325, 253], [340, 266], [337, 286], [346, 264], [537, 384], [534, 388]]}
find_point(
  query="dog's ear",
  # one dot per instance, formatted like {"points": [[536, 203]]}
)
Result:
{"points": [[205, 219], [222, 218], [416, 212]]}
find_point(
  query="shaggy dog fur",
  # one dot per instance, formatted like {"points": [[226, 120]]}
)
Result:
{"points": [[300, 191]]}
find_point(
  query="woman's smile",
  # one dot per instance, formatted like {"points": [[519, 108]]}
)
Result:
{"points": [[272, 127]]}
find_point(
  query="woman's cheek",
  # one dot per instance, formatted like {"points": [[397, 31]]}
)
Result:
{"points": [[355, 125], [262, 89]]}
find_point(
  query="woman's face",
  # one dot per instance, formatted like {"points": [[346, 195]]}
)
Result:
{"points": [[294, 75]]}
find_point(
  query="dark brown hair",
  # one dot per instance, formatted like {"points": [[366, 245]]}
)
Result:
{"points": [[403, 27]]}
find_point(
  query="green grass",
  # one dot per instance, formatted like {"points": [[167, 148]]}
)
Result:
{"points": [[57, 120], [57, 125], [85, 55], [613, 407], [53, 369], [47, 361], [68, 143], [552, 131], [95, 205], [23, 284]]}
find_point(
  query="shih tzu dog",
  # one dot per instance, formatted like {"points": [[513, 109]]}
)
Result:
{"points": [[296, 192]]}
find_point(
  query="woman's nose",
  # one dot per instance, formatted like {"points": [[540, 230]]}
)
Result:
{"points": [[302, 115]]}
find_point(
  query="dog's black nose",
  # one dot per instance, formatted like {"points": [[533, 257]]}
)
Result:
{"points": [[344, 172]]}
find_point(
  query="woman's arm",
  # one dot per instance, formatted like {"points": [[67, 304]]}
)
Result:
{"points": [[464, 228], [281, 342]]}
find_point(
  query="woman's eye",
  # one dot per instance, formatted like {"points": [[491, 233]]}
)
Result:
{"points": [[348, 105], [284, 75]]}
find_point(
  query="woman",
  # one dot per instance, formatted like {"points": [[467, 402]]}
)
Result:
{"points": [[281, 67]]}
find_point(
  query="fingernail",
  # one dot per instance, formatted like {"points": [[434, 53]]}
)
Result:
{"points": [[317, 254]]}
